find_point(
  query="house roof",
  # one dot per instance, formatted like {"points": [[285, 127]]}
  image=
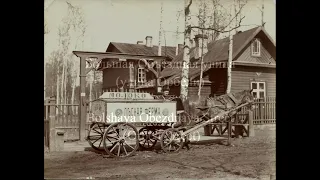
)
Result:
{"points": [[142, 49], [218, 52]]}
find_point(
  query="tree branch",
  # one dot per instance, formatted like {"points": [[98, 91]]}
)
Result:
{"points": [[220, 31]]}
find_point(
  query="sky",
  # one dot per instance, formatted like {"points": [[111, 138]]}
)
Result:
{"points": [[129, 21]]}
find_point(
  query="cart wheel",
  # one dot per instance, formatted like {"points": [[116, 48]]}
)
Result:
{"points": [[171, 140], [121, 139], [147, 138], [95, 135]]}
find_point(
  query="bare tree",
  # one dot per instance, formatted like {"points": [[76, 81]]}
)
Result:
{"points": [[65, 69], [46, 31], [76, 16], [186, 53], [216, 24], [231, 34]]}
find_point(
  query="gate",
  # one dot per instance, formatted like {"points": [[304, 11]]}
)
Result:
{"points": [[66, 119]]}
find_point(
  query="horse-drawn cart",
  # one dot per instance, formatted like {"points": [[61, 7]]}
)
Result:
{"points": [[115, 117]]}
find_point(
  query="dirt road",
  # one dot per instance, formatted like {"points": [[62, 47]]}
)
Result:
{"points": [[249, 158]]}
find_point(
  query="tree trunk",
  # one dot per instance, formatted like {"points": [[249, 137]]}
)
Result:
{"points": [[75, 80], [186, 53], [62, 81], [203, 16], [90, 87], [45, 78], [58, 94], [230, 54], [65, 85]]}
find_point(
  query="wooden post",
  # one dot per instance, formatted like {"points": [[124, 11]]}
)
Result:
{"points": [[52, 124], [83, 106], [251, 126], [229, 132], [207, 130]]}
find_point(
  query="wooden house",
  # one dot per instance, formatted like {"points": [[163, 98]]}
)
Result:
{"points": [[131, 74], [253, 66]]}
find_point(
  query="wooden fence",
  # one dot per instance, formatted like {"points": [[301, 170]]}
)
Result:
{"points": [[264, 112], [66, 119]]}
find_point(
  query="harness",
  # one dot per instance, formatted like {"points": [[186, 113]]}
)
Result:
{"points": [[225, 103], [236, 102]]}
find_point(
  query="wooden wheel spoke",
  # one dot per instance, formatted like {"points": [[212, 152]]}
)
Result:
{"points": [[93, 137], [100, 128], [100, 143], [97, 131], [116, 132], [119, 149], [176, 145], [125, 132], [128, 145], [144, 132], [170, 140], [96, 140], [125, 150], [112, 137], [113, 146], [121, 136], [166, 145]]}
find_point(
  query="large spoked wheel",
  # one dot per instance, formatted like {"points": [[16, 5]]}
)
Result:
{"points": [[95, 135], [147, 138], [121, 139], [171, 140]]}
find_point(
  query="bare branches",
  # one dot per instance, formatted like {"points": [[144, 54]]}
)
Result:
{"points": [[187, 9], [217, 22], [220, 31]]}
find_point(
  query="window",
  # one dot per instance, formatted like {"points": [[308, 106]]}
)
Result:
{"points": [[141, 75], [255, 48], [259, 89]]}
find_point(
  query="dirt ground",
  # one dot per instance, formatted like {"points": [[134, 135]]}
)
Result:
{"points": [[247, 158]]}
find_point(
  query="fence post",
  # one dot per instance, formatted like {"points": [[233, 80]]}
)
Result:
{"points": [[251, 126], [229, 124], [52, 124], [82, 104]]}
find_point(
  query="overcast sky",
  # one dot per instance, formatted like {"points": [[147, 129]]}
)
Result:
{"points": [[132, 20]]}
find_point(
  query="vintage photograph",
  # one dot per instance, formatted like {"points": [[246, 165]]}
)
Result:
{"points": [[160, 89]]}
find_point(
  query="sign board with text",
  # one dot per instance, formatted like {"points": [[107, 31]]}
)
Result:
{"points": [[133, 112], [126, 96]]}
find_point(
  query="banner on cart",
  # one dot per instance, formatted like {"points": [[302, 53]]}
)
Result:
{"points": [[146, 112]]}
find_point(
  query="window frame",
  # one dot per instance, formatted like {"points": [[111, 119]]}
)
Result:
{"points": [[140, 73], [258, 90], [258, 52]]}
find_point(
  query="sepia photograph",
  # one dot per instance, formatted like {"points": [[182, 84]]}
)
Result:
{"points": [[160, 89]]}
